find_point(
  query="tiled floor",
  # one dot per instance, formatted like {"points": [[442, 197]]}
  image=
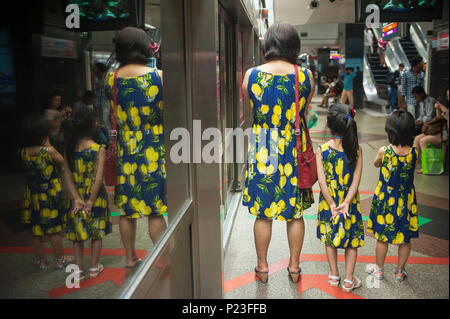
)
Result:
{"points": [[428, 266]]}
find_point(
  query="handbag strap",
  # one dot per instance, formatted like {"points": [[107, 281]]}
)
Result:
{"points": [[113, 116], [297, 115]]}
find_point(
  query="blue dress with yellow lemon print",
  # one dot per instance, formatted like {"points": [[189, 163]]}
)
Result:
{"points": [[44, 205], [141, 185], [80, 226], [271, 178], [340, 232], [393, 213]]}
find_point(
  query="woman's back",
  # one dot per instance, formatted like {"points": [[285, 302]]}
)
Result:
{"points": [[139, 100], [272, 95]]}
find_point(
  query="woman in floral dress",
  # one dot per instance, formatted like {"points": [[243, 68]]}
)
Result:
{"points": [[271, 181], [141, 189]]}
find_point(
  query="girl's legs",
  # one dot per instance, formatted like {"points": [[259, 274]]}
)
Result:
{"points": [[295, 232], [96, 247], [381, 251], [78, 247], [403, 254], [38, 247], [127, 228], [332, 260], [156, 226], [56, 242], [262, 230], [350, 261]]}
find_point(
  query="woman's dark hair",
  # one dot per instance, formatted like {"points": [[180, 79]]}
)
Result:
{"points": [[82, 125], [400, 128], [281, 41], [341, 122], [132, 46], [34, 131]]}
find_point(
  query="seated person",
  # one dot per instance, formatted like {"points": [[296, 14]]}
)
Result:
{"points": [[331, 91], [87, 101], [425, 108]]}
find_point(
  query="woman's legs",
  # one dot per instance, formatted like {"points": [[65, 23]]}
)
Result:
{"points": [[295, 232], [78, 247], [332, 260], [38, 247], [350, 261], [421, 141], [156, 226], [127, 228], [262, 230]]}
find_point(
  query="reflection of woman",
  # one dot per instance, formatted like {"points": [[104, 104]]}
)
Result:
{"points": [[271, 191], [141, 189]]}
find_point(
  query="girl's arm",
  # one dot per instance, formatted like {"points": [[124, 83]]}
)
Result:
{"points": [[78, 203], [55, 156], [344, 206], [323, 183], [98, 180], [379, 158], [245, 88]]}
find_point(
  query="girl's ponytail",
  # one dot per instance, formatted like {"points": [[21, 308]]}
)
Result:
{"points": [[350, 140], [341, 122]]}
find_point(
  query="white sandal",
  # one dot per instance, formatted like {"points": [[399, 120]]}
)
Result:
{"points": [[334, 280], [400, 278], [352, 283], [375, 271], [42, 264], [95, 272]]}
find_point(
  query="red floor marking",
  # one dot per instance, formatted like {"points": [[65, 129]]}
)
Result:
{"points": [[282, 264], [141, 253], [117, 275], [320, 282]]}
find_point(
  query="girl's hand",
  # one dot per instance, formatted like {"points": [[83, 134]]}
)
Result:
{"points": [[78, 205], [334, 211], [343, 209], [88, 207]]}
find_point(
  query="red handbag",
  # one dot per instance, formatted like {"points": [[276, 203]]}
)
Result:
{"points": [[307, 167], [111, 171]]}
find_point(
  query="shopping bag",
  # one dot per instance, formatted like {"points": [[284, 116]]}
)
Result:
{"points": [[312, 119], [432, 160]]}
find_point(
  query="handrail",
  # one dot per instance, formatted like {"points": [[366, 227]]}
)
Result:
{"points": [[419, 40], [369, 81]]}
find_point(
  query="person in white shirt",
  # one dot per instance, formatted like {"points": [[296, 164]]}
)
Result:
{"points": [[368, 41]]}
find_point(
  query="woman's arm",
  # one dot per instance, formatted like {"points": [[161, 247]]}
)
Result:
{"points": [[344, 206], [245, 88], [98, 180], [311, 94], [78, 203], [323, 183], [379, 157]]}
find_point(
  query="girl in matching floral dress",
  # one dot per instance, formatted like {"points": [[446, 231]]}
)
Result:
{"points": [[339, 221], [393, 213], [89, 218], [44, 204]]}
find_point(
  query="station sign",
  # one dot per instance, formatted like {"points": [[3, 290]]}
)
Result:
{"points": [[443, 40], [390, 30], [58, 48]]}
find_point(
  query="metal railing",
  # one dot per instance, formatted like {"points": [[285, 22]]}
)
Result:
{"points": [[419, 40]]}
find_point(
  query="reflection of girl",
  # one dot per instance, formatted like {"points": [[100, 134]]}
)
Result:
{"points": [[141, 189], [55, 115], [83, 171]]}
